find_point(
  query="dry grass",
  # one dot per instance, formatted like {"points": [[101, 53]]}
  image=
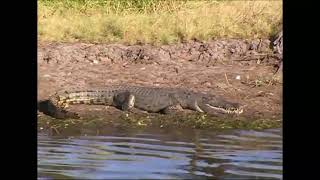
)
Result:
{"points": [[155, 21]]}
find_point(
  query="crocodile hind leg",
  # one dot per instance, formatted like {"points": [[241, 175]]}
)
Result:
{"points": [[124, 101]]}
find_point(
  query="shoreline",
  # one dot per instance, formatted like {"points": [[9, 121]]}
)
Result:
{"points": [[238, 69]]}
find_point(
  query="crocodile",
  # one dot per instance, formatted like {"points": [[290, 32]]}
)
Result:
{"points": [[148, 99]]}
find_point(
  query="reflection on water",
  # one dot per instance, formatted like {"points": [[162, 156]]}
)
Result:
{"points": [[155, 154]]}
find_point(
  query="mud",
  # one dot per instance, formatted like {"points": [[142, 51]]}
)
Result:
{"points": [[240, 70]]}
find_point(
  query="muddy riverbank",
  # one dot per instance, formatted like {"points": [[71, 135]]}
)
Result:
{"points": [[239, 70]]}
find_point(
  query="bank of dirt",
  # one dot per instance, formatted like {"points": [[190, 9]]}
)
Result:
{"points": [[239, 70]]}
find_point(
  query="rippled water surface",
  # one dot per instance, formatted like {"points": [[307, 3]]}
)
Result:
{"points": [[162, 154]]}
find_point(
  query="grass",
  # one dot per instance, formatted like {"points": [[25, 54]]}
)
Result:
{"points": [[155, 21]]}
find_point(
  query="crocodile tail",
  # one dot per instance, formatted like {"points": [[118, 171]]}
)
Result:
{"points": [[47, 107], [82, 97]]}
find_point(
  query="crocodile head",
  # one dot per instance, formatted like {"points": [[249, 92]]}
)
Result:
{"points": [[219, 105]]}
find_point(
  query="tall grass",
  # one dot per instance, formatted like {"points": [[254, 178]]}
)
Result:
{"points": [[155, 21]]}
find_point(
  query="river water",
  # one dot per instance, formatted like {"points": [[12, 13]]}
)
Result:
{"points": [[162, 154]]}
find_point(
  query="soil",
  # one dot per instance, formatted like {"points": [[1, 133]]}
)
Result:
{"points": [[243, 71]]}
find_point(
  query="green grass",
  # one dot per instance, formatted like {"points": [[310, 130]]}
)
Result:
{"points": [[155, 21]]}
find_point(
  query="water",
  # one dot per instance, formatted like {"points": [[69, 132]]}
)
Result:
{"points": [[162, 154]]}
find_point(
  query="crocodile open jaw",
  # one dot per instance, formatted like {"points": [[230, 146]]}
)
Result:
{"points": [[228, 111]]}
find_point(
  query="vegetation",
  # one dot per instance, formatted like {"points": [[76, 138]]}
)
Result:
{"points": [[155, 21], [193, 121]]}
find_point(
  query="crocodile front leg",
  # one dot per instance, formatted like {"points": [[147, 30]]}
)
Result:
{"points": [[124, 101], [172, 109], [194, 106], [174, 106]]}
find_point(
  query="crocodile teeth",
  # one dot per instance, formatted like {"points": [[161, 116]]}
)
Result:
{"points": [[228, 111], [217, 108], [238, 111]]}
